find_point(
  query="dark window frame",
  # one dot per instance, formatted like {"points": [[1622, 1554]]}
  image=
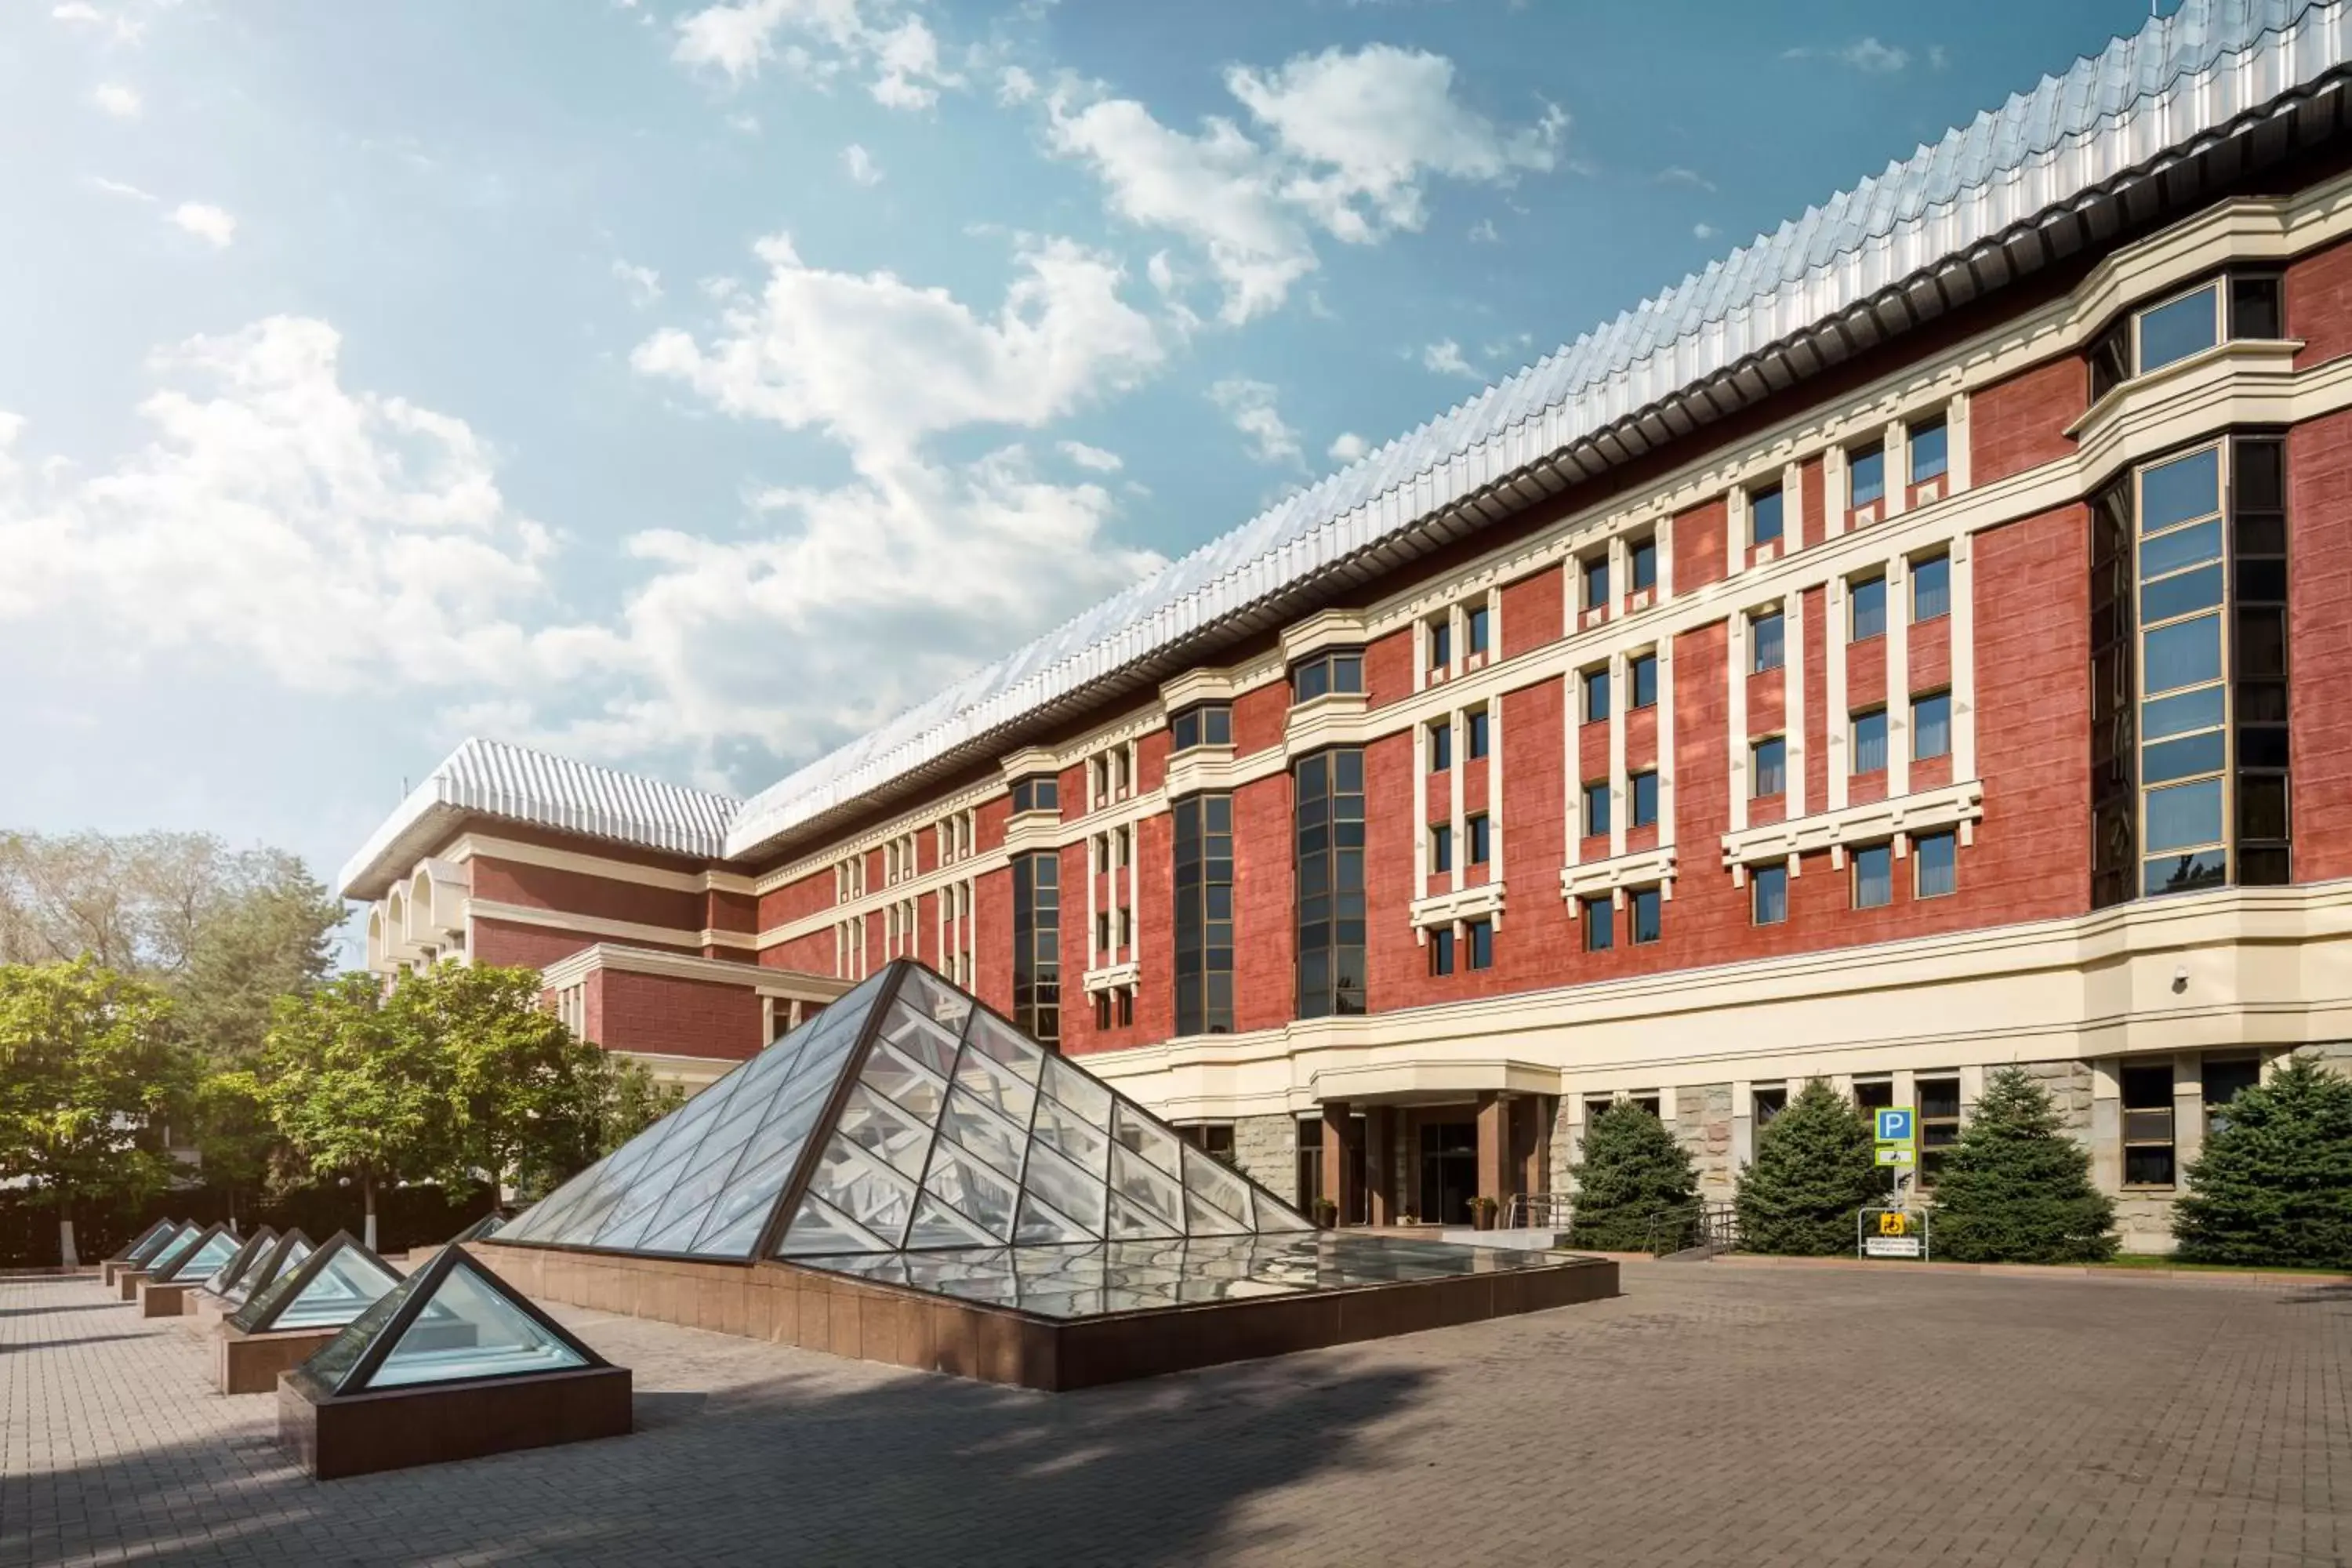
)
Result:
{"points": [[1328, 819], [1203, 851]]}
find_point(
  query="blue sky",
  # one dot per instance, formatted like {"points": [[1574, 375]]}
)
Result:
{"points": [[687, 386]]}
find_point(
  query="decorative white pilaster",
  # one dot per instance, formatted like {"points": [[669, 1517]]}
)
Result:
{"points": [[1836, 722], [1898, 677]]}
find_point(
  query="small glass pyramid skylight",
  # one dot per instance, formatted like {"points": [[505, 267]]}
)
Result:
{"points": [[488, 1225], [148, 1243], [285, 1252], [331, 1286], [245, 1257], [192, 1259], [453, 1320], [906, 1119]]}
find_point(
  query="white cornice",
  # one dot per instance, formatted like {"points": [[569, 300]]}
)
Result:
{"points": [[767, 982]]}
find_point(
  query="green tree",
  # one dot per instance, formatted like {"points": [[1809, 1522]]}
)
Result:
{"points": [[1632, 1168], [633, 1101], [2274, 1182], [2016, 1189], [89, 1064], [355, 1088], [1813, 1169]]}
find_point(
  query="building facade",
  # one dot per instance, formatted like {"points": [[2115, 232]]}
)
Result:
{"points": [[1917, 645]]}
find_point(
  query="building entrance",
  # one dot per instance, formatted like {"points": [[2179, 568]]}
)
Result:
{"points": [[1449, 1170]]}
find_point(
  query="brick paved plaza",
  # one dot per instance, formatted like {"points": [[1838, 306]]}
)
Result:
{"points": [[1712, 1415]]}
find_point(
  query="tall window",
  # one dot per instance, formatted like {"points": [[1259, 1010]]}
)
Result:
{"points": [[1596, 695], [1939, 1123], [1596, 808], [1767, 772], [2188, 675], [1441, 846], [1641, 565], [1204, 914], [1441, 745], [1867, 609], [1037, 945], [1874, 876], [1474, 726], [1479, 938], [1931, 587], [1330, 789], [2148, 1123], [1931, 451], [1642, 674], [1649, 907], [1478, 833], [2224, 1080], [1441, 642], [1441, 950], [1766, 642], [1596, 582], [1478, 621], [1931, 726], [1769, 894], [1870, 742], [1764, 520], [1936, 865], [1599, 924], [1644, 787], [1865, 476]]}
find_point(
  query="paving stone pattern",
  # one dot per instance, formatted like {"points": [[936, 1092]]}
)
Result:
{"points": [[1710, 1416]]}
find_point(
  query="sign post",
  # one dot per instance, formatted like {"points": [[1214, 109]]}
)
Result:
{"points": [[1897, 1232]]}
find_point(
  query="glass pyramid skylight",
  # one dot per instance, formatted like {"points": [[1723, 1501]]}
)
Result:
{"points": [[330, 1287], [255, 1246], [905, 1118], [453, 1320], [147, 1243], [192, 1259], [285, 1253]]}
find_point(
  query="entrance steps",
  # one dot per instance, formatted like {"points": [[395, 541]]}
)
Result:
{"points": [[1524, 1240]]}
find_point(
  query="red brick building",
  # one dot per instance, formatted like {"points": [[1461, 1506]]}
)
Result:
{"points": [[1916, 645]]}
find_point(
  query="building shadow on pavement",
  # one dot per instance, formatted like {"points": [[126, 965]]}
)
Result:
{"points": [[795, 1468]]}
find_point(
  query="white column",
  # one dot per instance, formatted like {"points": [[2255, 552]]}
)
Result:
{"points": [[1135, 892], [1097, 854], [1833, 491], [1735, 531], [1573, 770], [1421, 811], [1899, 677], [1667, 746], [1620, 807], [1956, 442], [1792, 698], [1619, 586], [1495, 790], [1457, 639], [1455, 725], [1736, 653], [1792, 508], [1834, 722], [1666, 538], [1964, 666], [1897, 446]]}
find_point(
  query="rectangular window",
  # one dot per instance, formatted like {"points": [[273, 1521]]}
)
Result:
{"points": [[1869, 742], [1330, 868], [1767, 1104], [1766, 642], [1441, 642], [1127, 929], [1867, 609], [1768, 894], [1441, 950], [2255, 306], [1043, 792], [1481, 935], [1645, 798], [1478, 620], [1931, 587], [1477, 830], [1441, 745], [1474, 722], [1935, 864], [1642, 562], [1102, 930], [1126, 1010], [1768, 767], [1874, 876], [2171, 332], [1203, 725], [1596, 808], [1931, 726], [1873, 1094], [1596, 583], [1333, 670], [1643, 671], [1037, 946], [1102, 1009], [2224, 1078], [2148, 1123], [1441, 846], [1939, 1123], [1204, 914], [1764, 520], [1930, 451], [1649, 914], [1599, 924], [1596, 695], [1865, 476]]}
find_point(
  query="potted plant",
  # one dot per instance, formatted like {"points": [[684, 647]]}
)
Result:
{"points": [[1482, 1212], [1327, 1213]]}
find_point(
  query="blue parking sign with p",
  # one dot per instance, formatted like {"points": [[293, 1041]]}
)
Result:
{"points": [[1895, 1126]]}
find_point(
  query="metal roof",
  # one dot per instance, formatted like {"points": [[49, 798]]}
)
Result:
{"points": [[1992, 200], [492, 778]]}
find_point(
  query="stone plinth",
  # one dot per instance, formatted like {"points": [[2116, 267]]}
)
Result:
{"points": [[249, 1363], [333, 1436], [160, 1300]]}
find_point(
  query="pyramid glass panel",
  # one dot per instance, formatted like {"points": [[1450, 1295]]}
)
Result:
{"points": [[334, 1285], [907, 1133], [197, 1256], [285, 1254], [451, 1321], [245, 1256], [147, 1243]]}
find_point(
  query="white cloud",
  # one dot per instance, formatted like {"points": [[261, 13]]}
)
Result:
{"points": [[1445, 359], [115, 99], [1937, 58], [1346, 145], [1677, 176], [744, 124], [861, 165], [1482, 232], [1866, 55], [1014, 85], [1347, 446], [339, 540], [643, 283], [117, 188], [80, 13], [879, 365], [901, 53], [1092, 458], [1703, 231], [1250, 405], [207, 223]]}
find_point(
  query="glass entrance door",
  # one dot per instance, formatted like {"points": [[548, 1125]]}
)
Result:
{"points": [[1449, 1170]]}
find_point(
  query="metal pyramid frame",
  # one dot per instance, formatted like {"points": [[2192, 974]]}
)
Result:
{"points": [[282, 1255], [245, 1257], [905, 1117], [147, 1243], [355, 1271], [354, 1360], [173, 1265]]}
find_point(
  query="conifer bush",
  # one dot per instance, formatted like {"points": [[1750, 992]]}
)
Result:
{"points": [[1814, 1170], [1632, 1168], [2273, 1184], [2016, 1188]]}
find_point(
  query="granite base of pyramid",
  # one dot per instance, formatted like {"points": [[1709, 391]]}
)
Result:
{"points": [[337, 1434], [249, 1363]]}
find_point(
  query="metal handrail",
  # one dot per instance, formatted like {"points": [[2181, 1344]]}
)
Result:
{"points": [[1537, 1211], [1711, 1227]]}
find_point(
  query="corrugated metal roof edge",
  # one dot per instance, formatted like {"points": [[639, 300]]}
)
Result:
{"points": [[817, 791]]}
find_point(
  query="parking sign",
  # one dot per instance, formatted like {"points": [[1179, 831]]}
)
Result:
{"points": [[1894, 1125]]}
